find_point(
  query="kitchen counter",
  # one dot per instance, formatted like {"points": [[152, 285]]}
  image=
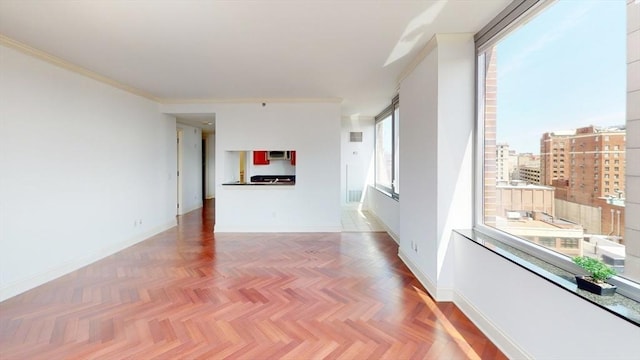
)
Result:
{"points": [[264, 180], [279, 183]]}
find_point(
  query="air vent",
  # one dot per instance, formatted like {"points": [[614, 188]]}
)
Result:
{"points": [[355, 136], [354, 195]]}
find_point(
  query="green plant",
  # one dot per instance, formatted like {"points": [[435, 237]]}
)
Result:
{"points": [[598, 270]]}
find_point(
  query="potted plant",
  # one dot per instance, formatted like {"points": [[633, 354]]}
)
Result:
{"points": [[598, 272]]}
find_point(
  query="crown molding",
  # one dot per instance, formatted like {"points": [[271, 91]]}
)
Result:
{"points": [[54, 60], [39, 54], [249, 100], [431, 44], [358, 117]]}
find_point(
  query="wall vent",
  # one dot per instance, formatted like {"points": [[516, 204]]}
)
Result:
{"points": [[355, 136], [354, 195]]}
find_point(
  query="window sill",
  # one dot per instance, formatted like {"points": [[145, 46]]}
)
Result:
{"points": [[385, 192], [617, 304]]}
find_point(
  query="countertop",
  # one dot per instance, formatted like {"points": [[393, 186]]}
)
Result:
{"points": [[278, 183]]}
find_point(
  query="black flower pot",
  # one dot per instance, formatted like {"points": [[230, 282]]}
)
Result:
{"points": [[585, 283]]}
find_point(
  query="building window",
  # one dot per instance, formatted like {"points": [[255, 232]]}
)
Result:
{"points": [[525, 54], [387, 143], [547, 241], [570, 243]]}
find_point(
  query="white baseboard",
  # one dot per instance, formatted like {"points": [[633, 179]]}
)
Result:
{"points": [[275, 229], [18, 287], [499, 338], [439, 294], [187, 210], [393, 235]]}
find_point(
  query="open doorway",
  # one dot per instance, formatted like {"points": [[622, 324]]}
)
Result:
{"points": [[195, 166], [204, 167], [179, 141]]}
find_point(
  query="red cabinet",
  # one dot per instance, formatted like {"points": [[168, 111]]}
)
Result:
{"points": [[293, 157], [260, 157]]}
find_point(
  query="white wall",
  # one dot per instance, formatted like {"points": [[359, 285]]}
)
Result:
{"points": [[313, 130], [632, 171], [527, 316], [357, 157], [86, 170], [436, 128], [386, 209], [191, 173], [210, 188]]}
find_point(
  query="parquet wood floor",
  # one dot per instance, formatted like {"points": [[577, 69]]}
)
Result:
{"points": [[187, 294]]}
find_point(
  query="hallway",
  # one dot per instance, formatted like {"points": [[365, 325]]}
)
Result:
{"points": [[187, 294]]}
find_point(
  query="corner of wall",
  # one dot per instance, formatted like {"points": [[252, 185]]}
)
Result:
{"points": [[10, 290], [502, 340], [437, 293]]}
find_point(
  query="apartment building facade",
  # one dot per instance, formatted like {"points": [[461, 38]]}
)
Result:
{"points": [[587, 168]]}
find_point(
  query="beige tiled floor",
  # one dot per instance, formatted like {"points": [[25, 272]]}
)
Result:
{"points": [[356, 220]]}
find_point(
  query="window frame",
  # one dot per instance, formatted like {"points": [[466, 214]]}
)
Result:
{"points": [[391, 111], [513, 16]]}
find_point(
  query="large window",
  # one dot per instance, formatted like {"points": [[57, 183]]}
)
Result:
{"points": [[387, 158], [552, 88]]}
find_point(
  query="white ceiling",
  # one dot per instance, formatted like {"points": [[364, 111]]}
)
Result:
{"points": [[354, 50], [206, 122]]}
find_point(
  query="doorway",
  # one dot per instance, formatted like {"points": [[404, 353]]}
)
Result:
{"points": [[204, 168], [179, 171]]}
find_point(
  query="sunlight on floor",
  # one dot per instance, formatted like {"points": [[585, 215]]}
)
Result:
{"points": [[357, 220], [448, 326]]}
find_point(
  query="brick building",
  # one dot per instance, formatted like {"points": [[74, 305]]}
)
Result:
{"points": [[591, 158], [586, 166]]}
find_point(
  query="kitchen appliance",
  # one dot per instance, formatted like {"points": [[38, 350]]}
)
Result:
{"points": [[279, 155]]}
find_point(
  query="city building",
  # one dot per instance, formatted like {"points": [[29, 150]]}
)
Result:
{"points": [[587, 168], [528, 211], [552, 233], [526, 198], [506, 162], [528, 168], [591, 158], [529, 174]]}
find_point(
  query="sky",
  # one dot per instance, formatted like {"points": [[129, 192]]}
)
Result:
{"points": [[564, 69]]}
